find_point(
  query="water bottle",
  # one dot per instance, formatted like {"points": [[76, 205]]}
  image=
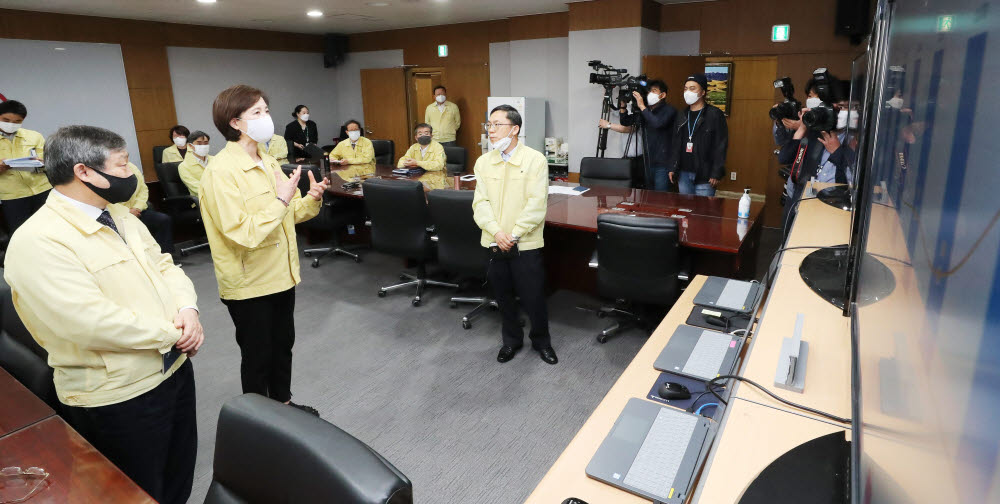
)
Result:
{"points": [[350, 229], [744, 210]]}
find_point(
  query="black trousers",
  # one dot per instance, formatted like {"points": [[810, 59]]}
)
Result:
{"points": [[161, 226], [521, 276], [16, 211], [265, 332], [152, 438]]}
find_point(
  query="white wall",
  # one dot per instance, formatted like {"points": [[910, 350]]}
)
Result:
{"points": [[500, 69], [347, 83], [538, 69], [618, 47], [198, 75], [81, 84]]}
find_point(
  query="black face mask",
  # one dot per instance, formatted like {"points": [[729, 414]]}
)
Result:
{"points": [[424, 140], [120, 189]]}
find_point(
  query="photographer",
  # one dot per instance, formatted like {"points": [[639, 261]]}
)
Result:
{"points": [[658, 119]]}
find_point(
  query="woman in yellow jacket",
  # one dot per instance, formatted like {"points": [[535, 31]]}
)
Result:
{"points": [[176, 152], [250, 209], [357, 153], [22, 192]]}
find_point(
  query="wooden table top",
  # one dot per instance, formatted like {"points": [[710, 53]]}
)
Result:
{"points": [[78, 473], [706, 223], [19, 407]]}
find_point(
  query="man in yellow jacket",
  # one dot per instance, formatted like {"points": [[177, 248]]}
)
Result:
{"points": [[22, 192], [250, 209], [117, 317], [195, 162], [444, 117], [512, 190], [160, 225], [278, 148], [356, 153], [426, 154]]}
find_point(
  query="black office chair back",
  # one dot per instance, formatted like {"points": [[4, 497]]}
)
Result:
{"points": [[266, 451], [170, 180], [158, 153], [314, 152], [290, 148], [23, 357], [398, 213], [455, 160], [638, 258], [609, 172], [458, 235], [385, 151]]}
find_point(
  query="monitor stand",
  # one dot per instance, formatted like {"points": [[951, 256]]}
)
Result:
{"points": [[817, 471], [825, 272], [837, 197]]}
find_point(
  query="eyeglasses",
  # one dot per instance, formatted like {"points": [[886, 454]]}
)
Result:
{"points": [[492, 126], [14, 480]]}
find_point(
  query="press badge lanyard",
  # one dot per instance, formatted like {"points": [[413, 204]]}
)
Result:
{"points": [[691, 126]]}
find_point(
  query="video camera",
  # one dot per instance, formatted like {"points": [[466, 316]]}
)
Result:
{"points": [[788, 109], [822, 117], [617, 78]]}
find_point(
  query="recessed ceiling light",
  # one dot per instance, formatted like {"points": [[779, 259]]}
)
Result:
{"points": [[315, 13], [206, 1], [378, 4]]}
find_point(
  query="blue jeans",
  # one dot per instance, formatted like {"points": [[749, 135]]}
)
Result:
{"points": [[661, 178], [686, 185]]}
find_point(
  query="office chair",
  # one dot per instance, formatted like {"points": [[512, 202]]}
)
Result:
{"points": [[385, 152], [267, 452], [158, 153], [455, 160], [314, 154], [459, 250], [23, 357], [608, 172], [178, 201], [638, 261], [335, 214], [397, 210]]}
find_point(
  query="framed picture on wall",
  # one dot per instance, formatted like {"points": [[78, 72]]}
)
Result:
{"points": [[720, 78]]}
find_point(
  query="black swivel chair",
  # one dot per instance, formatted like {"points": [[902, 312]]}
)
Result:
{"points": [[397, 210], [385, 152], [638, 261], [22, 356], [608, 172], [459, 250], [267, 452], [455, 160], [158, 153], [334, 215], [314, 153], [178, 201]]}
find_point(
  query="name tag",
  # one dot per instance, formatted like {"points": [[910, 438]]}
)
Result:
{"points": [[690, 147]]}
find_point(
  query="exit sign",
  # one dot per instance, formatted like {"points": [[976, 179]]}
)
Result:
{"points": [[442, 50], [945, 23], [779, 33]]}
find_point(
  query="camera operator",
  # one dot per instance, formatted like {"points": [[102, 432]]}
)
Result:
{"points": [[658, 118]]}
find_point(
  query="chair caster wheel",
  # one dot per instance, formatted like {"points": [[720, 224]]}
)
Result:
{"points": [[466, 324], [381, 293], [315, 263], [452, 305], [357, 259], [416, 302], [308, 254], [602, 339], [601, 314]]}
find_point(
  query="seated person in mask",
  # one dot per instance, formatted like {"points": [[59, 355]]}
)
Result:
{"points": [[176, 152], [355, 153], [195, 162], [427, 154], [278, 148]]}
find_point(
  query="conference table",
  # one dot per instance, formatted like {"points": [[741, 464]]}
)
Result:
{"points": [[32, 435], [717, 241]]}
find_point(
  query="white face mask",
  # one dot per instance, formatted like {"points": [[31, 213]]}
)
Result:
{"points": [[652, 99], [260, 129], [812, 103], [201, 150], [440, 98], [354, 135], [180, 142], [502, 144], [304, 117], [690, 97], [9, 128], [896, 102], [845, 119]]}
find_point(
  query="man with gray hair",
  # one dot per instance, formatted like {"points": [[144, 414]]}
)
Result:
{"points": [[116, 315]]}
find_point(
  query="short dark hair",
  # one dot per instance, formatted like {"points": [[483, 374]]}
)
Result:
{"points": [[512, 114], [422, 125], [352, 121], [435, 90], [71, 145], [198, 134], [14, 106], [232, 103], [833, 94], [298, 108], [656, 83], [180, 130]]}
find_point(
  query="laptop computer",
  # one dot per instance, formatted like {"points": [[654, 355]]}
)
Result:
{"points": [[735, 295], [652, 451], [699, 353]]}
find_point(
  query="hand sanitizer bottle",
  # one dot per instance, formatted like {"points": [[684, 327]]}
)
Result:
{"points": [[744, 210]]}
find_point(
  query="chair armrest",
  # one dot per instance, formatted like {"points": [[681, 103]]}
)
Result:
{"points": [[431, 229], [434, 238], [368, 223], [684, 269], [593, 260]]}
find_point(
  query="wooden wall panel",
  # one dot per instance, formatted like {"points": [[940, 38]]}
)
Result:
{"points": [[602, 14], [469, 86], [538, 26], [152, 97], [650, 17]]}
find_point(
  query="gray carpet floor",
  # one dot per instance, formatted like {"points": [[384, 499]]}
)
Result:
{"points": [[410, 382]]}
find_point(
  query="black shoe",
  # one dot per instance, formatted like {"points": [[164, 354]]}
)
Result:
{"points": [[507, 353], [548, 355], [303, 407]]}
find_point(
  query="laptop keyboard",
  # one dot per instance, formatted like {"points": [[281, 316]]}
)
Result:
{"points": [[708, 354], [659, 458], [734, 295]]}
